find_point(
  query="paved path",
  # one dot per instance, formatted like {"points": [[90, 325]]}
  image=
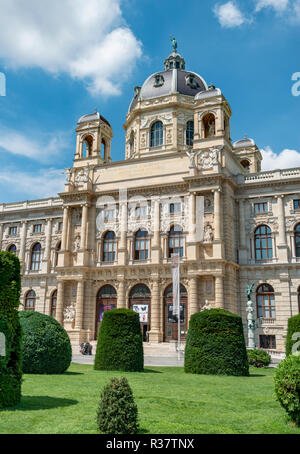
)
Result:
{"points": [[148, 360]]}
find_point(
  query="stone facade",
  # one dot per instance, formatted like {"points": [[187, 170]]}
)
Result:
{"points": [[181, 170]]}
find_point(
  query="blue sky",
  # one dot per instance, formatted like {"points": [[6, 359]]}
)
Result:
{"points": [[64, 58]]}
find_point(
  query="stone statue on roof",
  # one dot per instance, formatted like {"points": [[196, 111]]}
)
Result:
{"points": [[174, 43]]}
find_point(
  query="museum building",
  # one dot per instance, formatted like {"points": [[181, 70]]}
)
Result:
{"points": [[183, 188]]}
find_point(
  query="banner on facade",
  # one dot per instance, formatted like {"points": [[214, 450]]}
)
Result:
{"points": [[176, 282], [143, 311]]}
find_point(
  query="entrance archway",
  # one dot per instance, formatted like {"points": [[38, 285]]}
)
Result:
{"points": [[171, 320], [106, 300], [140, 301]]}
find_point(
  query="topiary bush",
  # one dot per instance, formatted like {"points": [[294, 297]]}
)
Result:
{"points": [[117, 412], [215, 344], [258, 358], [46, 344], [293, 327], [10, 329], [287, 386], [120, 343]]}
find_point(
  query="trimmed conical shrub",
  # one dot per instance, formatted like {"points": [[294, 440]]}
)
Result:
{"points": [[46, 344], [215, 344], [10, 331], [117, 412], [293, 327], [120, 343]]}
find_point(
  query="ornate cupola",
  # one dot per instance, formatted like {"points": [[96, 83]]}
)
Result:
{"points": [[94, 136]]}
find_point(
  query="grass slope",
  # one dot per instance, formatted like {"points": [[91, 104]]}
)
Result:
{"points": [[169, 401]]}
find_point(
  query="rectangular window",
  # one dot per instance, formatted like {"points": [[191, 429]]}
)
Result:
{"points": [[297, 204], [12, 230], [37, 228], [141, 212], [268, 342], [60, 226], [109, 215], [175, 208], [261, 207]]}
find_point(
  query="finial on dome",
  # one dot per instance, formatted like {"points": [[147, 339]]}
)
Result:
{"points": [[245, 136], [174, 43]]}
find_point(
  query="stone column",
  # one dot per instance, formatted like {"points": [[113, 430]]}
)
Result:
{"points": [[60, 302], [154, 334], [23, 244], [84, 219], [121, 301], [219, 292], [79, 305], [243, 246], [193, 297], [1, 235], [65, 229], [282, 243], [122, 249], [156, 245], [48, 245], [192, 216], [217, 215]]}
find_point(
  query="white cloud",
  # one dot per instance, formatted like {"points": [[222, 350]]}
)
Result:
{"points": [[285, 160], [43, 148], [229, 15], [278, 5], [87, 39], [19, 185]]}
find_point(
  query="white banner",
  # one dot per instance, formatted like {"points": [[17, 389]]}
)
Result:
{"points": [[142, 310]]}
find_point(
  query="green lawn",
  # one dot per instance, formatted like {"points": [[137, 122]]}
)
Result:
{"points": [[169, 401]]}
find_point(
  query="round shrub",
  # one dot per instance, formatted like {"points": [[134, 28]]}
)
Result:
{"points": [[10, 331], [46, 344], [258, 358], [215, 344], [287, 386], [293, 327], [120, 343], [117, 412]]}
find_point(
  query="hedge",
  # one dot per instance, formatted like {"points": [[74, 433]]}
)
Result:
{"points": [[10, 364], [293, 327], [287, 386], [215, 344], [117, 412], [258, 358], [120, 343], [46, 344]]}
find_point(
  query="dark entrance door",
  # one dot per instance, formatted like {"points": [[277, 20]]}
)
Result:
{"points": [[106, 300], [140, 302], [170, 319]]}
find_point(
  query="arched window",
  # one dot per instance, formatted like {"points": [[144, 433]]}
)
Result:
{"points": [[246, 164], [190, 133], [141, 245], [105, 301], [131, 144], [265, 301], [263, 243], [30, 301], [53, 304], [87, 146], [103, 149], [36, 255], [209, 125], [297, 240], [176, 241], [140, 291], [57, 249], [12, 248], [109, 247], [157, 134]]}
